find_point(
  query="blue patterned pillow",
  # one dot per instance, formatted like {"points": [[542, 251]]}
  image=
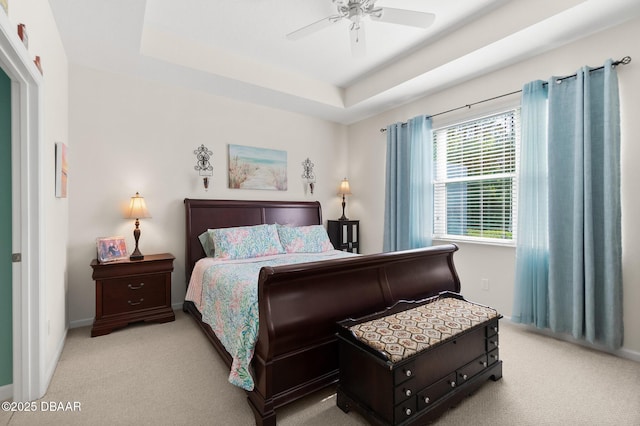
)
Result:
{"points": [[304, 239], [244, 242]]}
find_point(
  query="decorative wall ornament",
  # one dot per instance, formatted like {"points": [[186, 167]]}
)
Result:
{"points": [[22, 33], [38, 64], [308, 178], [203, 166]]}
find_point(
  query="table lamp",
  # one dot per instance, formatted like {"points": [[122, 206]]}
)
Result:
{"points": [[137, 210], [344, 190]]}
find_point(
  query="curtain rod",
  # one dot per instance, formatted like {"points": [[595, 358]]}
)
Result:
{"points": [[623, 61]]}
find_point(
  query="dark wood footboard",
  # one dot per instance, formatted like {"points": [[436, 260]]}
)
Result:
{"points": [[299, 305]]}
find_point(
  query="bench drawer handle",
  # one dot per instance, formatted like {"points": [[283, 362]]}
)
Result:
{"points": [[136, 288], [135, 303]]}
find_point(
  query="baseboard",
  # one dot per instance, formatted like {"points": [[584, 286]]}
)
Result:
{"points": [[6, 392], [80, 323], [622, 352], [51, 369], [629, 354]]}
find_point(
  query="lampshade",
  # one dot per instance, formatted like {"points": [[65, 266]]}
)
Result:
{"points": [[137, 208], [344, 187]]}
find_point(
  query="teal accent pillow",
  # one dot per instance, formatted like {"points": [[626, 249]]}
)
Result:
{"points": [[304, 239], [245, 242]]}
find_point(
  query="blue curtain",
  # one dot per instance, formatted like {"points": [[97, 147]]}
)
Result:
{"points": [[532, 250], [408, 214], [585, 253], [577, 287]]}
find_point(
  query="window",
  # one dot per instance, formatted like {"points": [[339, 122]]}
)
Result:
{"points": [[475, 179]]}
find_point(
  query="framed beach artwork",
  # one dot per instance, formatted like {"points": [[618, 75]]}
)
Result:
{"points": [[62, 170], [257, 168]]}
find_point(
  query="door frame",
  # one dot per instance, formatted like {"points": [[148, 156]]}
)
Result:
{"points": [[27, 215]]}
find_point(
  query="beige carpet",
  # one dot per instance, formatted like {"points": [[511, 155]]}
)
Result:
{"points": [[168, 374]]}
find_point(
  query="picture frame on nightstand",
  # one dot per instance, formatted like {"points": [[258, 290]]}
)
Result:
{"points": [[111, 249]]}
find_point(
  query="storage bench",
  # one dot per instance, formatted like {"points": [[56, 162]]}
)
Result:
{"points": [[411, 362]]}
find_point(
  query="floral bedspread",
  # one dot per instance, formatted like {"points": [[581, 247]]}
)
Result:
{"points": [[226, 293]]}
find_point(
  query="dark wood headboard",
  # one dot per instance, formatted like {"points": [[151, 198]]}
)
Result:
{"points": [[208, 214]]}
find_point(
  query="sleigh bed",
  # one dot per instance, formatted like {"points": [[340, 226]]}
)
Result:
{"points": [[296, 352]]}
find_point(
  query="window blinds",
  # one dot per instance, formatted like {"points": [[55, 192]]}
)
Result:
{"points": [[475, 180]]}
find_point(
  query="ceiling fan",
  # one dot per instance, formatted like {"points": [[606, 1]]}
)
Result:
{"points": [[359, 10]]}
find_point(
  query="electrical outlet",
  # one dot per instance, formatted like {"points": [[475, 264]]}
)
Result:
{"points": [[484, 284]]}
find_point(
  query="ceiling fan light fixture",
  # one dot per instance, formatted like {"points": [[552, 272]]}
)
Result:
{"points": [[357, 11]]}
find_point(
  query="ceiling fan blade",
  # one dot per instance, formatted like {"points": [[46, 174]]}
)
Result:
{"points": [[405, 17], [358, 40], [312, 28]]}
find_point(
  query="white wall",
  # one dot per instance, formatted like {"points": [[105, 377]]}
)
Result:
{"points": [[474, 262], [132, 135], [44, 41]]}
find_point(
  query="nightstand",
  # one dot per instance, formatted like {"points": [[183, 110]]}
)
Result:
{"points": [[131, 291], [344, 234]]}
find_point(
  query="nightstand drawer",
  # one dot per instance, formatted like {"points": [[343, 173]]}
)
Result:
{"points": [[133, 293]]}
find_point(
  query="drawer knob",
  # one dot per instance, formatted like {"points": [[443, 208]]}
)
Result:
{"points": [[408, 373], [135, 303], [494, 343], [408, 392], [408, 411], [484, 363], [427, 400], [453, 384], [136, 287], [464, 377], [495, 328]]}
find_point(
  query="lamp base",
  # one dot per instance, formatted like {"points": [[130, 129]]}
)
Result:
{"points": [[344, 204], [136, 255]]}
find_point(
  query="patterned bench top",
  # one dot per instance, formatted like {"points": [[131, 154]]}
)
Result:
{"points": [[406, 333]]}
